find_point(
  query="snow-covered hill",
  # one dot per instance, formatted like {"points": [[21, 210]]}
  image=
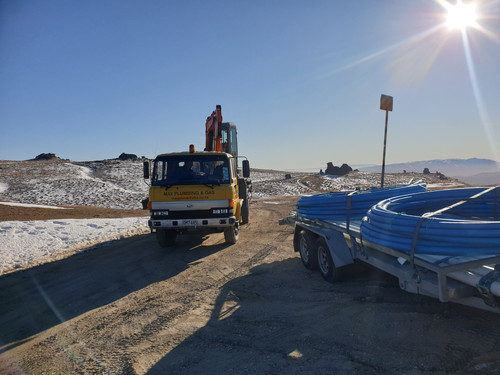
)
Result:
{"points": [[119, 184], [109, 183]]}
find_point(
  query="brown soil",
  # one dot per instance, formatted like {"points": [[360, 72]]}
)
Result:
{"points": [[12, 213]]}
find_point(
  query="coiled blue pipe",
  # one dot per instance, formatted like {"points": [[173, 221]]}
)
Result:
{"points": [[351, 205], [448, 222]]}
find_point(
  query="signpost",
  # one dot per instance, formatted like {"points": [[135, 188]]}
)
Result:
{"points": [[386, 105]]}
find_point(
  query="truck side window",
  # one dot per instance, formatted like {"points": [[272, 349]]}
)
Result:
{"points": [[233, 168], [225, 141], [233, 149], [159, 170]]}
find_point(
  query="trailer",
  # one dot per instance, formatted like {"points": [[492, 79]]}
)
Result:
{"points": [[333, 246]]}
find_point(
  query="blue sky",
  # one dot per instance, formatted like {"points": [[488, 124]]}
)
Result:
{"points": [[88, 80]]}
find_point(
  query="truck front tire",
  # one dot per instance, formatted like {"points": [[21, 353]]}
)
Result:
{"points": [[231, 234]]}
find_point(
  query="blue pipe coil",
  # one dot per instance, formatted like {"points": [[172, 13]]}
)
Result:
{"points": [[351, 205], [450, 222]]}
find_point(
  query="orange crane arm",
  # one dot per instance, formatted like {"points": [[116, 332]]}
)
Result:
{"points": [[213, 130]]}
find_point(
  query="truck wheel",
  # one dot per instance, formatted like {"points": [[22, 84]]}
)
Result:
{"points": [[307, 249], [245, 212], [231, 234], [325, 262], [166, 237]]}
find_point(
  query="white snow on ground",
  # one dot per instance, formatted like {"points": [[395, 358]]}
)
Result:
{"points": [[360, 180], [48, 184], [24, 243], [107, 183], [268, 183], [33, 205]]}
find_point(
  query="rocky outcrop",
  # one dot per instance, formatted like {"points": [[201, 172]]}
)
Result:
{"points": [[124, 156], [337, 171], [47, 156]]}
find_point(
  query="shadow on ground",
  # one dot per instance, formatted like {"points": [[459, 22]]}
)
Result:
{"points": [[283, 319], [39, 298]]}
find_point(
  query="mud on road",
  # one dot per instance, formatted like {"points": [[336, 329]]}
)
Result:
{"points": [[250, 308]]}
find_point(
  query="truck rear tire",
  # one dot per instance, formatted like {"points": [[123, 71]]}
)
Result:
{"points": [[166, 237], [245, 212], [305, 243], [231, 234], [326, 266]]}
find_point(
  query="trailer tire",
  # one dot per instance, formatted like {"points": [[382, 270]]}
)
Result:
{"points": [[326, 266], [306, 247], [166, 237], [231, 234]]}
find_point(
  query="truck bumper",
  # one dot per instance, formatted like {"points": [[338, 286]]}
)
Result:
{"points": [[219, 222]]}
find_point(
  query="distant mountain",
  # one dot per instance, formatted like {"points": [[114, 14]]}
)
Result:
{"points": [[481, 179], [472, 171]]}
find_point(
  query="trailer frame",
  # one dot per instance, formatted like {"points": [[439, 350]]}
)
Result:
{"points": [[469, 280]]}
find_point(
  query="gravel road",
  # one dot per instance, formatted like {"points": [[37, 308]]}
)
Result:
{"points": [[250, 308]]}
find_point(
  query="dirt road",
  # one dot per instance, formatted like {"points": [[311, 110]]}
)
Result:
{"points": [[250, 308]]}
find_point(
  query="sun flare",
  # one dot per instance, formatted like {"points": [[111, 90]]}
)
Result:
{"points": [[461, 16]]}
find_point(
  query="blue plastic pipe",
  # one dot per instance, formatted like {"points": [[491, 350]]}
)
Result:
{"points": [[447, 222], [351, 205]]}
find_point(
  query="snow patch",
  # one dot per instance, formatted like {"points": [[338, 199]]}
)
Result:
{"points": [[33, 205], [25, 243], [81, 171], [3, 187]]}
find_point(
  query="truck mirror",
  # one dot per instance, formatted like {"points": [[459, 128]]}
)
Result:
{"points": [[145, 167], [246, 168]]}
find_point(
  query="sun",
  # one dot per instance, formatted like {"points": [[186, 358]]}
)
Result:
{"points": [[461, 16]]}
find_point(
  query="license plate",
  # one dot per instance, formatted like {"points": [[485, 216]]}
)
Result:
{"points": [[190, 223]]}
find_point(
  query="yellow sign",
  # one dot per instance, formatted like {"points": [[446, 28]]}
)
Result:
{"points": [[189, 195]]}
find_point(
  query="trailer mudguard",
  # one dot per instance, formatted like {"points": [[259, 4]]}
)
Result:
{"points": [[340, 252]]}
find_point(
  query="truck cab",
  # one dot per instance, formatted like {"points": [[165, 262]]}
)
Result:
{"points": [[197, 191]]}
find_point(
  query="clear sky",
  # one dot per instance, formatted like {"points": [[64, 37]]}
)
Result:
{"points": [[88, 80]]}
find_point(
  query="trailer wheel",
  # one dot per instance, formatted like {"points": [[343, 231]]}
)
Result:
{"points": [[166, 237], [231, 234], [325, 262], [307, 250]]}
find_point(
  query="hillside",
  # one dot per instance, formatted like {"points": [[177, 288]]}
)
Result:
{"points": [[118, 184]]}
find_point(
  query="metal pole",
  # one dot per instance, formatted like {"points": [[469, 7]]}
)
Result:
{"points": [[385, 141]]}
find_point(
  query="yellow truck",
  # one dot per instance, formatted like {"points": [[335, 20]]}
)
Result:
{"points": [[199, 190]]}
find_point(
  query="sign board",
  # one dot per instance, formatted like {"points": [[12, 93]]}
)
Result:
{"points": [[386, 103]]}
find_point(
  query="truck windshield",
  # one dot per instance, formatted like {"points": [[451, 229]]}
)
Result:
{"points": [[191, 169]]}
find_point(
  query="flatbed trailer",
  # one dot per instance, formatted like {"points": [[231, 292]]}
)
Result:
{"points": [[332, 246]]}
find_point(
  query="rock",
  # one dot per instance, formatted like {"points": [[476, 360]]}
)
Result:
{"points": [[47, 156], [124, 156], [337, 171], [288, 176], [441, 176]]}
